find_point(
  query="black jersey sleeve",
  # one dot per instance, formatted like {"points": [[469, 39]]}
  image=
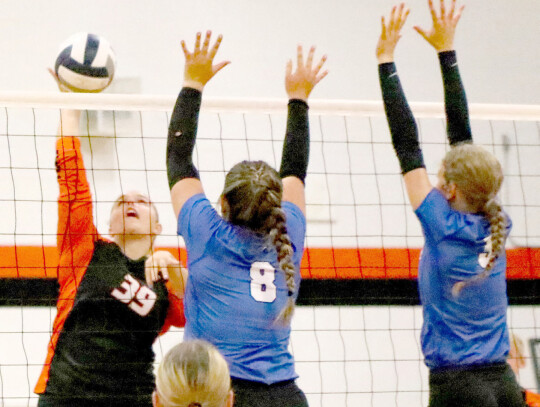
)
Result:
{"points": [[458, 125], [295, 157], [400, 119], [181, 136]]}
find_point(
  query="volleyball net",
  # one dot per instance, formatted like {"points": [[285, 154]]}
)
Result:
{"points": [[355, 334]]}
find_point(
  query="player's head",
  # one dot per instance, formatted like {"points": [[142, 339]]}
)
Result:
{"points": [[193, 374], [134, 214], [252, 198], [476, 175], [475, 172], [516, 357]]}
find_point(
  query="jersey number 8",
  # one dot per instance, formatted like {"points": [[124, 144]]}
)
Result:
{"points": [[263, 275]]}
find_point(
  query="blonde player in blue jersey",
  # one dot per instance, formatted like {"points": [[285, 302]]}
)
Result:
{"points": [[244, 265], [461, 275]]}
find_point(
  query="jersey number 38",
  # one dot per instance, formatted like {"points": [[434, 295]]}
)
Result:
{"points": [[263, 275]]}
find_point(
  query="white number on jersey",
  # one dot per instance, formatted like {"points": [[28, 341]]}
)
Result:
{"points": [[483, 258], [263, 275], [139, 298]]}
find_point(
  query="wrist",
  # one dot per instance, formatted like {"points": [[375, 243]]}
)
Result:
{"points": [[384, 59], [193, 84]]}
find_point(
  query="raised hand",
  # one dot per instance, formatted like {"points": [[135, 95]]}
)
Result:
{"points": [[300, 83], [61, 86], [200, 68], [390, 33], [441, 35]]}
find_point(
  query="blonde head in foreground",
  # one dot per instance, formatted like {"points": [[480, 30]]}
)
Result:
{"points": [[193, 374]]}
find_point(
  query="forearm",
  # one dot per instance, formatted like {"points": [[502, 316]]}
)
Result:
{"points": [[458, 126], [181, 136], [400, 120], [69, 123], [295, 157]]}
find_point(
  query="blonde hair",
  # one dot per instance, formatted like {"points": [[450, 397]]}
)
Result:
{"points": [[193, 374], [478, 175], [253, 192]]}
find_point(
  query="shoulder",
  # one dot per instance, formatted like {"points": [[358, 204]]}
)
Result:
{"points": [[439, 220]]}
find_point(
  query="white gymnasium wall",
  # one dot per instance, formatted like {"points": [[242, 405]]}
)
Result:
{"points": [[496, 41]]}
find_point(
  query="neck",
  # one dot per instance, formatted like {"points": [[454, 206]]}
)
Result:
{"points": [[134, 247], [460, 204]]}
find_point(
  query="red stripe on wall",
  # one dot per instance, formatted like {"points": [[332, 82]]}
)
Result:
{"points": [[317, 263]]}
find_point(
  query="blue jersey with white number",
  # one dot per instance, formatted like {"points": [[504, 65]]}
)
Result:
{"points": [[236, 290], [469, 329]]}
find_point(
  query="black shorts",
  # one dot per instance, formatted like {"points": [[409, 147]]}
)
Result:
{"points": [[255, 394], [482, 386]]}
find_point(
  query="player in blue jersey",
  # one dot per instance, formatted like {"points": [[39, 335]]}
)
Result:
{"points": [[461, 275], [244, 265]]}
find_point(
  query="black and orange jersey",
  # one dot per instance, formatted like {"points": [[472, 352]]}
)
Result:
{"points": [[107, 317]]}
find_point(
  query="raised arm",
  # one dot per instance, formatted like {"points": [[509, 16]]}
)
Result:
{"points": [[398, 113], [199, 69], [441, 37], [76, 231], [295, 157]]}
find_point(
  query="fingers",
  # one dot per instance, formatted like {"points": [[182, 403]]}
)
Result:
{"points": [[452, 9], [383, 28], [215, 48], [458, 15], [443, 10], [220, 66], [320, 65], [432, 11], [206, 42], [299, 56], [197, 43], [421, 32], [156, 267], [288, 68], [184, 48], [309, 60]]}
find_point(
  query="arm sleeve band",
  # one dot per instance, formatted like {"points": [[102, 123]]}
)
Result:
{"points": [[181, 137], [458, 126], [400, 120], [295, 157]]}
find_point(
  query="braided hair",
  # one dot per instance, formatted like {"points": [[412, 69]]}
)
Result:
{"points": [[478, 175], [253, 192]]}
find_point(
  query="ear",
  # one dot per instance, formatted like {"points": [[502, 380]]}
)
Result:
{"points": [[155, 399], [224, 207], [230, 399], [158, 229], [450, 191]]}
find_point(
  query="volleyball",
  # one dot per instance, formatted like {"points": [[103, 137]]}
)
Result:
{"points": [[85, 63]]}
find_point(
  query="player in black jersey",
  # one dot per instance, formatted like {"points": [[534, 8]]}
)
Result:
{"points": [[116, 296]]}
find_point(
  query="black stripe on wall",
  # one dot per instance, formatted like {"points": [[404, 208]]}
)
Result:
{"points": [[43, 292]]}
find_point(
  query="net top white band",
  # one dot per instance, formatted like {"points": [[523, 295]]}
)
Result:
{"points": [[129, 102]]}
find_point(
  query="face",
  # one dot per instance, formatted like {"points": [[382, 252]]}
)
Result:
{"points": [[133, 214]]}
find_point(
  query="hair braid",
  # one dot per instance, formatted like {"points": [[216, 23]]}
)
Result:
{"points": [[282, 242]]}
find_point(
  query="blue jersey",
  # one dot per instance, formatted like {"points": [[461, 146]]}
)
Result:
{"points": [[236, 290], [469, 329]]}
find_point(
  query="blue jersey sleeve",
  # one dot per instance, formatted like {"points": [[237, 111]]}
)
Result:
{"points": [[296, 228], [197, 222], [437, 217]]}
